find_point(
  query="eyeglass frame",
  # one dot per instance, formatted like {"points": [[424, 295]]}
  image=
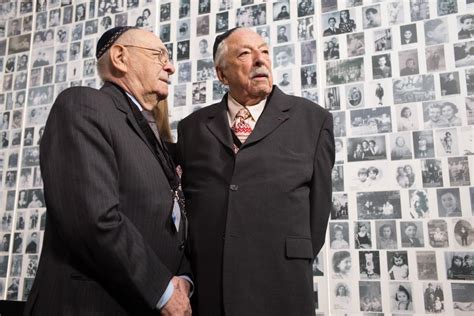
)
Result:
{"points": [[160, 53]]}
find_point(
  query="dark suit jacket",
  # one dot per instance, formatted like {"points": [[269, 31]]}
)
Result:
{"points": [[258, 218], [109, 245]]}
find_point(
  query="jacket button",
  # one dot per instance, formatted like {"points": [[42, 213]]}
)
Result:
{"points": [[181, 246], [234, 187]]}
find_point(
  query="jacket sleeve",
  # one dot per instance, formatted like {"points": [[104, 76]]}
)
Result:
{"points": [[321, 187], [81, 183]]}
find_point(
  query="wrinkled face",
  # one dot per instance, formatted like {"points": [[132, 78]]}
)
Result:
{"points": [[145, 67], [448, 201], [434, 114], [402, 296], [410, 231], [448, 111], [247, 65]]}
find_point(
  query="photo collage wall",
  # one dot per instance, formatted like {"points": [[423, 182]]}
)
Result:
{"points": [[398, 77]]}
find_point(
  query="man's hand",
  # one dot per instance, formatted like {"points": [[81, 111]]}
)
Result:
{"points": [[182, 284], [178, 305]]}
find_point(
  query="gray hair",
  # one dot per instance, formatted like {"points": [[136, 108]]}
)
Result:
{"points": [[221, 51]]}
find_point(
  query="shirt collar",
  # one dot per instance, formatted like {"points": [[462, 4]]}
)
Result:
{"points": [[135, 101], [233, 107]]}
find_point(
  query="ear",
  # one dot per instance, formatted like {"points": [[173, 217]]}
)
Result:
{"points": [[119, 58], [221, 75]]}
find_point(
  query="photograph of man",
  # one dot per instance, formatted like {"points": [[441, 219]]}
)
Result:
{"points": [[253, 191], [408, 34], [114, 238], [411, 68], [283, 14], [332, 29], [381, 66]]}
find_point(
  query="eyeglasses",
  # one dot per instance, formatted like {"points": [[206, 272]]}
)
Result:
{"points": [[160, 54]]}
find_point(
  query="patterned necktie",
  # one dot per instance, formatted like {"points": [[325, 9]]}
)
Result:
{"points": [[240, 127]]}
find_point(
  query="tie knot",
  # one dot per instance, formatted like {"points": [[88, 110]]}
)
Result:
{"points": [[243, 114]]}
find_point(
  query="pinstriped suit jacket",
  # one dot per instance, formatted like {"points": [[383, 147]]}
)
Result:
{"points": [[109, 246]]}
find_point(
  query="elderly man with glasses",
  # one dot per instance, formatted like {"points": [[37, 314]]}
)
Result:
{"points": [[116, 225]]}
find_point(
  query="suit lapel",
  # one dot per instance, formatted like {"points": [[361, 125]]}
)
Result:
{"points": [[122, 102], [218, 123], [274, 114]]}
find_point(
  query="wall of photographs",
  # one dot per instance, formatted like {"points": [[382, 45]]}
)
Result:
{"points": [[398, 77]]}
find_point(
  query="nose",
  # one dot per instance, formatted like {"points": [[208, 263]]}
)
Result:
{"points": [[169, 68], [259, 58]]}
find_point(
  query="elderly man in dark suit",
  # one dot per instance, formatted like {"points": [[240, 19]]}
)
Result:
{"points": [[115, 233], [257, 181]]}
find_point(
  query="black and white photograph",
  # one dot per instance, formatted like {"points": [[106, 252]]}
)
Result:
{"points": [[355, 96], [395, 12], [465, 26], [419, 10], [331, 48], [407, 117], [397, 265], [435, 58], [383, 40], [368, 176], [433, 297], [371, 121], [438, 233], [340, 149], [413, 89], [449, 202], [363, 235], [463, 232], [463, 301], [446, 142], [366, 148], [386, 234], [423, 144], [355, 44], [449, 83], [332, 100], [342, 264], [371, 16], [379, 205], [436, 31], [339, 119], [459, 265], [381, 66], [370, 296], [340, 206], [308, 76], [251, 15], [458, 168], [369, 265], [283, 57], [401, 297], [432, 173], [401, 146], [426, 265], [408, 61], [408, 34], [464, 54], [345, 71], [341, 296], [418, 203], [412, 234], [339, 235], [337, 178]]}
